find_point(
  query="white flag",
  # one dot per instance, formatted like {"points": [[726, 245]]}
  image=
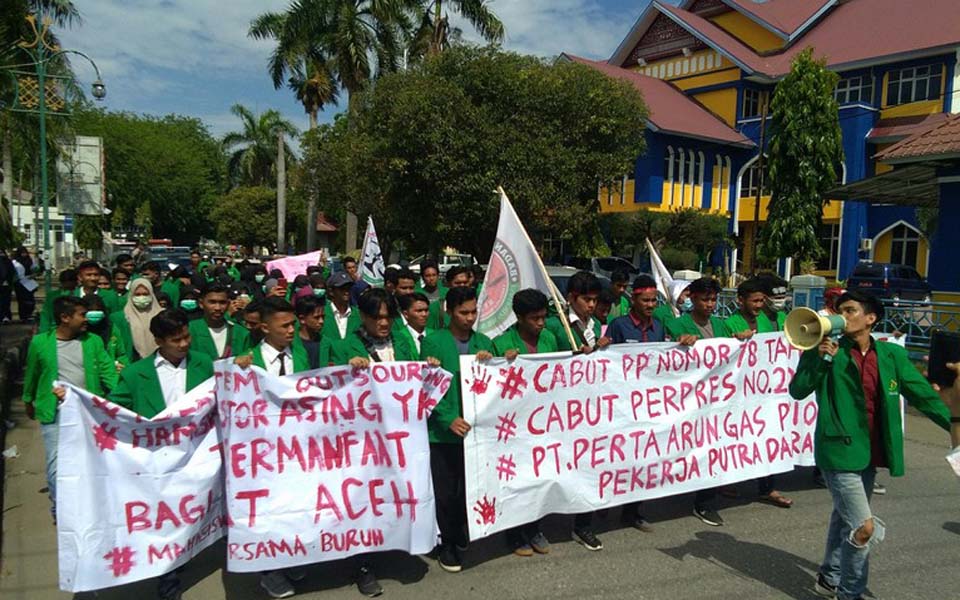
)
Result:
{"points": [[371, 260], [514, 266], [662, 276]]}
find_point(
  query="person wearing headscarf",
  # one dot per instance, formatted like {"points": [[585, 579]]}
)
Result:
{"points": [[133, 321], [682, 303]]}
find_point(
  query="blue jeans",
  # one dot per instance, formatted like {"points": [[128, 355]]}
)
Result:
{"points": [[51, 436], [845, 562]]}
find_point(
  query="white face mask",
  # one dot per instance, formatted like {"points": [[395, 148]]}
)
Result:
{"points": [[142, 302]]}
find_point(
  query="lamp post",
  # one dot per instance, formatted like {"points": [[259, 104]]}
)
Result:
{"points": [[38, 96]]}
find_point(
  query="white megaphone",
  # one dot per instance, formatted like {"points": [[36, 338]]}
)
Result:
{"points": [[805, 328]]}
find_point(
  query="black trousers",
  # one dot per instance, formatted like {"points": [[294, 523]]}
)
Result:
{"points": [[6, 291], [25, 302], [450, 492]]}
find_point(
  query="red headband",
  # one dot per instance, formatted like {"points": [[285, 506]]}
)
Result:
{"points": [[640, 290]]}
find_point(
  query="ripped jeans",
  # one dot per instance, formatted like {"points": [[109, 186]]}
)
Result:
{"points": [[846, 562]]}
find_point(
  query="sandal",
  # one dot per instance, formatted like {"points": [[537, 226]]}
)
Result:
{"points": [[777, 499]]}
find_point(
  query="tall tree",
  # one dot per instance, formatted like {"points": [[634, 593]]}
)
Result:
{"points": [[805, 149], [253, 150], [434, 33]]}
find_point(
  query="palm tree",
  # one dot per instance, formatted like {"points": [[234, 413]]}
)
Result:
{"points": [[310, 72], [253, 149], [435, 33]]}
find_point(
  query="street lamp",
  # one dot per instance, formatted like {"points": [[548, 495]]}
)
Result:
{"points": [[36, 96]]}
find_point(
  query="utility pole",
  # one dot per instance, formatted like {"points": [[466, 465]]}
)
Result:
{"points": [[760, 184], [281, 196]]}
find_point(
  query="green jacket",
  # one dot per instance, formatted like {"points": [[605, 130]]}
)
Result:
{"points": [[110, 299], [238, 340], [440, 287], [171, 287], [736, 323], [619, 309], [438, 318], [121, 329], [344, 350], [301, 362], [324, 350], [442, 346], [664, 314], [330, 330], [555, 326], [116, 346], [685, 325], [510, 340], [842, 440], [139, 388], [100, 373], [400, 331]]}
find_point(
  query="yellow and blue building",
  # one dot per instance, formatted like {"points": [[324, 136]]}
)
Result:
{"points": [[706, 69]]}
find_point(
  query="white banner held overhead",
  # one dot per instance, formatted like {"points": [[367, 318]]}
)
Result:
{"points": [[662, 276], [514, 265], [628, 423], [136, 498], [371, 260], [327, 464]]}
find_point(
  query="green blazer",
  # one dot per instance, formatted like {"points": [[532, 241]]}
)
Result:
{"points": [[618, 310], [330, 330], [110, 299], [139, 388], [736, 323], [664, 314], [510, 340], [842, 440], [301, 362], [400, 331], [555, 326], [171, 287], [685, 325], [100, 373], [344, 350], [238, 339], [438, 318], [440, 287], [324, 350], [442, 346]]}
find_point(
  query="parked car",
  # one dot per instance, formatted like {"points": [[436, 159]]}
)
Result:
{"points": [[889, 281], [604, 265], [561, 276], [445, 262]]}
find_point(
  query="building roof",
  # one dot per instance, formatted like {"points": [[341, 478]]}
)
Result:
{"points": [[895, 129], [937, 142], [671, 111], [855, 33], [911, 185], [786, 18]]}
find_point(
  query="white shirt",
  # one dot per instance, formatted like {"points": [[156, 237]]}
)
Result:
{"points": [[384, 351], [341, 320], [173, 379], [272, 358], [416, 336], [589, 335], [219, 335]]}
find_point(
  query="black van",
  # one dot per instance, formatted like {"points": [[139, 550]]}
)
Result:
{"points": [[885, 280]]}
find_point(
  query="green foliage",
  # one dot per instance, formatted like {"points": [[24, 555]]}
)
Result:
{"points": [[247, 216], [928, 218], [426, 148], [684, 237], [805, 150], [88, 232], [171, 165], [253, 149]]}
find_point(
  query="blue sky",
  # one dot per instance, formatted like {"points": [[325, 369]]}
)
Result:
{"points": [[193, 57]]}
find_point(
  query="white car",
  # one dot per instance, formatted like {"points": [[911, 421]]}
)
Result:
{"points": [[445, 262]]}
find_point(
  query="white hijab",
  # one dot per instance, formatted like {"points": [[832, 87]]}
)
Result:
{"points": [[139, 320]]}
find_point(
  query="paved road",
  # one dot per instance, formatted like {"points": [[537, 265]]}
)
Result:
{"points": [[763, 552]]}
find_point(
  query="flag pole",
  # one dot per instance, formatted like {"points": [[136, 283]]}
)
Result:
{"points": [[561, 306], [659, 268]]}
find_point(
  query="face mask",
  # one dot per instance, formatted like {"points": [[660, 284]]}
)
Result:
{"points": [[319, 292], [259, 277], [142, 302], [686, 306], [188, 305], [95, 316]]}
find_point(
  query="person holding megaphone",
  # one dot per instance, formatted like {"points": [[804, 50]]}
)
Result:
{"points": [[858, 382]]}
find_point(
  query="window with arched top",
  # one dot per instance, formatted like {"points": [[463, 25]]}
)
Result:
{"points": [[904, 245], [750, 182], [681, 176]]}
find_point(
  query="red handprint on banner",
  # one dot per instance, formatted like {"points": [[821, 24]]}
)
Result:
{"points": [[481, 380]]}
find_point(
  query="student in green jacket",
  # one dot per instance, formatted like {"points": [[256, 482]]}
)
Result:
{"points": [[619, 282], [339, 319], [88, 275], [68, 354], [374, 341], [102, 325], [213, 335], [430, 284], [458, 276], [527, 336], [742, 325], [858, 384], [150, 385], [775, 308], [310, 315], [682, 303], [447, 427], [412, 324], [700, 322], [583, 291], [68, 285]]}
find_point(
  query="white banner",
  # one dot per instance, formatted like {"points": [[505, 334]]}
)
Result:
{"points": [[628, 423], [327, 464], [371, 260], [136, 498], [514, 265]]}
